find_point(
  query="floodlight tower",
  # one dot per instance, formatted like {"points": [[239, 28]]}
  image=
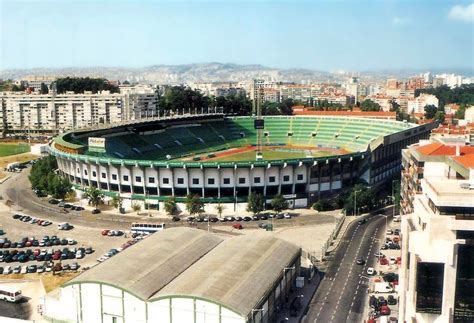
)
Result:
{"points": [[259, 124]]}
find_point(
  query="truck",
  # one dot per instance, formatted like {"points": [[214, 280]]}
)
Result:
{"points": [[382, 287]]}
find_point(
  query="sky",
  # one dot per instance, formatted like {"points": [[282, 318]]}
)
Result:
{"points": [[353, 35]]}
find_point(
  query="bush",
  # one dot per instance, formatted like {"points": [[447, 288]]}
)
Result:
{"points": [[322, 205]]}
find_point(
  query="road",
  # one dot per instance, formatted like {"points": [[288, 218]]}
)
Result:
{"points": [[342, 294], [18, 190]]}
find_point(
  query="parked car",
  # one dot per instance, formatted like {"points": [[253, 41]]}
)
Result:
{"points": [[370, 271], [391, 300], [237, 226], [95, 211]]}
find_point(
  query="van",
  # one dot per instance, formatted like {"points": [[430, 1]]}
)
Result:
{"points": [[382, 288]]}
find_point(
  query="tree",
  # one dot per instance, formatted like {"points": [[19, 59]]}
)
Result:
{"points": [[439, 116], [369, 105], [430, 111], [220, 209], [194, 205], [279, 203], [255, 203], [81, 84], [44, 89], [322, 205], [94, 196], [136, 207], [170, 206], [117, 201], [364, 197], [58, 186]]}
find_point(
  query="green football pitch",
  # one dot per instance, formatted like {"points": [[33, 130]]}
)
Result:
{"points": [[271, 154], [13, 149]]}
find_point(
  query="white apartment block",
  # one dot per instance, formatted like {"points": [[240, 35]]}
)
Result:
{"points": [[300, 92], [53, 113], [417, 105], [437, 272]]}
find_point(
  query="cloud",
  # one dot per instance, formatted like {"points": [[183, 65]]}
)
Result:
{"points": [[462, 13], [400, 20]]}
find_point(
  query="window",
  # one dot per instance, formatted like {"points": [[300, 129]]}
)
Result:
{"points": [[195, 181], [226, 181], [271, 179], [94, 173], [286, 178], [125, 178], [166, 180], [114, 177], [151, 180], [299, 177], [241, 180], [211, 181], [78, 170], [104, 175], [138, 179], [180, 180], [85, 171], [256, 180]]}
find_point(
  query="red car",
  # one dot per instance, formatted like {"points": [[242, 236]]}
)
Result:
{"points": [[384, 310], [237, 226], [105, 232]]}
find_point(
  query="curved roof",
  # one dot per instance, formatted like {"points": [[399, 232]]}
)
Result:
{"points": [[183, 262], [237, 273], [148, 266]]}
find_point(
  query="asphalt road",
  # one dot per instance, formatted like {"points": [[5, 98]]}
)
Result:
{"points": [[342, 293], [18, 190]]}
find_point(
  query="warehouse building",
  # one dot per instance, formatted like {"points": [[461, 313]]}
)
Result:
{"points": [[182, 275]]}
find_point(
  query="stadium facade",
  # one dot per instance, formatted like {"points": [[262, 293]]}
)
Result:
{"points": [[153, 160]]}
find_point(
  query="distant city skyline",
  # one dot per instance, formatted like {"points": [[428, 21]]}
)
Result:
{"points": [[319, 35]]}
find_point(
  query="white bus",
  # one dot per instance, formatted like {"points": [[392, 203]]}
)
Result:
{"points": [[10, 293], [147, 227]]}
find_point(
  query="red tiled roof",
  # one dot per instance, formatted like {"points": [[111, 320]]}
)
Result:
{"points": [[439, 149], [467, 160]]}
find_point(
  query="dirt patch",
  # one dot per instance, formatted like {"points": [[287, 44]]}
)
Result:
{"points": [[4, 161]]}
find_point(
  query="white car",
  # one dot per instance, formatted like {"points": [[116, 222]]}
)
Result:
{"points": [[370, 271], [7, 270], [392, 261], [287, 216]]}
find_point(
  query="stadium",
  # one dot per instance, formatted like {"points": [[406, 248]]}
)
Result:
{"points": [[223, 159]]}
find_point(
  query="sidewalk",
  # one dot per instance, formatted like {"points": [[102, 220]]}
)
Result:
{"points": [[306, 294], [335, 243]]}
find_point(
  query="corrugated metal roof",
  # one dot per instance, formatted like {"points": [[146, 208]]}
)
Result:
{"points": [[237, 273], [151, 264]]}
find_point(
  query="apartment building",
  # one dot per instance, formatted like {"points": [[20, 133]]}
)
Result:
{"points": [[417, 105], [300, 92], [58, 112], [437, 272]]}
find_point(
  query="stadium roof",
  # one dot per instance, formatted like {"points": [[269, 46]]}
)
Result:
{"points": [[148, 266], [237, 273]]}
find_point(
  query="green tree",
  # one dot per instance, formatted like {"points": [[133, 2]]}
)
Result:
{"points": [[58, 186], [220, 209], [279, 203], [194, 205], [117, 201], [136, 207], [171, 206], [44, 89], [81, 84], [439, 116], [369, 105], [42, 174], [94, 196], [430, 111], [255, 203], [322, 205], [363, 195]]}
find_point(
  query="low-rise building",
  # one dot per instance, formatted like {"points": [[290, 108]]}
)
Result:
{"points": [[183, 275], [417, 105]]}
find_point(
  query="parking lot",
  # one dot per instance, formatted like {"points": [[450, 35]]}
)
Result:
{"points": [[34, 244], [383, 298]]}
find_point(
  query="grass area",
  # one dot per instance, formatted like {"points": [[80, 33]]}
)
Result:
{"points": [[271, 154], [13, 149]]}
